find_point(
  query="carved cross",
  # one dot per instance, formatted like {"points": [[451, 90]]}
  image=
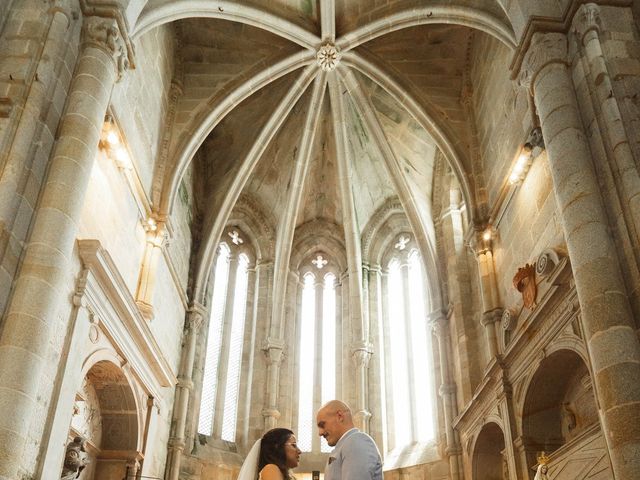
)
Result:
{"points": [[235, 237], [319, 262], [402, 242]]}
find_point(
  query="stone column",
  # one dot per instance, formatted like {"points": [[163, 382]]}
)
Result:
{"points": [[361, 356], [156, 239], [184, 388], [491, 312], [274, 350], [447, 392], [406, 308], [626, 177], [23, 144], [33, 309], [607, 320]]}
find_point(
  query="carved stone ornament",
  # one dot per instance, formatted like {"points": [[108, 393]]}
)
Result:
{"points": [[525, 282], [547, 262], [328, 57], [105, 34], [545, 49], [75, 459], [587, 18], [508, 320]]}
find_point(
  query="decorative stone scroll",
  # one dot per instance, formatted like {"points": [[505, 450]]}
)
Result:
{"points": [[547, 261]]}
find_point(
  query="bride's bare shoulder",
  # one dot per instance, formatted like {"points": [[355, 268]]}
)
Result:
{"points": [[271, 472]]}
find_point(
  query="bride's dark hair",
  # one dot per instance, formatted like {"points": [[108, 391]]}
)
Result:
{"points": [[272, 450]]}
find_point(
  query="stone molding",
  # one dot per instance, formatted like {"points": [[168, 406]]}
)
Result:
{"points": [[545, 49], [107, 291]]}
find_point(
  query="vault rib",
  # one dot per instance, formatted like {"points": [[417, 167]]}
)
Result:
{"points": [[287, 223], [328, 20], [351, 230], [424, 235], [212, 234], [165, 11], [464, 16]]}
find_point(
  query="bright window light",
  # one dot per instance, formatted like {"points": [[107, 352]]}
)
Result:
{"points": [[214, 342], [307, 354]]}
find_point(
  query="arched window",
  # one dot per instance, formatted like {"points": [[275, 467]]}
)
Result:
{"points": [[317, 340], [225, 339], [408, 351]]}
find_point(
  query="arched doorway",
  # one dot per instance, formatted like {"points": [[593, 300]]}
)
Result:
{"points": [[559, 404], [488, 455], [106, 415]]}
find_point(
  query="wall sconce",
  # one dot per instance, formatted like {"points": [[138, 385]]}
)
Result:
{"points": [[111, 142], [530, 150]]}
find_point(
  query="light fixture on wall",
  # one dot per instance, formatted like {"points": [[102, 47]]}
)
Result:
{"points": [[111, 142], [529, 151]]}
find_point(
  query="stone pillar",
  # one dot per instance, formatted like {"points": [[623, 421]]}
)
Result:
{"points": [[361, 356], [23, 144], [626, 177], [447, 392], [491, 312], [33, 309], [274, 350], [184, 388], [156, 239], [612, 343]]}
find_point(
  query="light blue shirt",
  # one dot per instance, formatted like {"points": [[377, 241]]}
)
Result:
{"points": [[355, 457]]}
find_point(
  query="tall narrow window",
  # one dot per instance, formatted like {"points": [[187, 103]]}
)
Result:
{"points": [[421, 346], [235, 351], [225, 339], [399, 361], [307, 353], [409, 349], [214, 342]]}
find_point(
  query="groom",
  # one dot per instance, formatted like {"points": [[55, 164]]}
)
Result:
{"points": [[355, 456]]}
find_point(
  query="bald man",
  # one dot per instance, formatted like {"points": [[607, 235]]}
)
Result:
{"points": [[355, 455]]}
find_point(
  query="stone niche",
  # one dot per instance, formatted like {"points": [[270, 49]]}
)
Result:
{"points": [[560, 418]]}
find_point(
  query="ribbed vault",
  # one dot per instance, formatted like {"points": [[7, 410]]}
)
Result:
{"points": [[316, 142]]}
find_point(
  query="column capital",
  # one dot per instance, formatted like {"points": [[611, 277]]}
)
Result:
{"points": [[587, 18], [195, 316], [438, 321], [105, 33], [274, 350], [362, 355], [545, 49]]}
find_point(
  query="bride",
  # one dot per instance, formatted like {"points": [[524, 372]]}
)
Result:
{"points": [[272, 457]]}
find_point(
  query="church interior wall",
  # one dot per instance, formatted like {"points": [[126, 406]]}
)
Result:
{"points": [[537, 394]]}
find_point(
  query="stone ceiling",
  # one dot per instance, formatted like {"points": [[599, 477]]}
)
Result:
{"points": [[310, 139]]}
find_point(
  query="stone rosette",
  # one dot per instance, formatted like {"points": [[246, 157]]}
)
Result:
{"points": [[328, 57]]}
